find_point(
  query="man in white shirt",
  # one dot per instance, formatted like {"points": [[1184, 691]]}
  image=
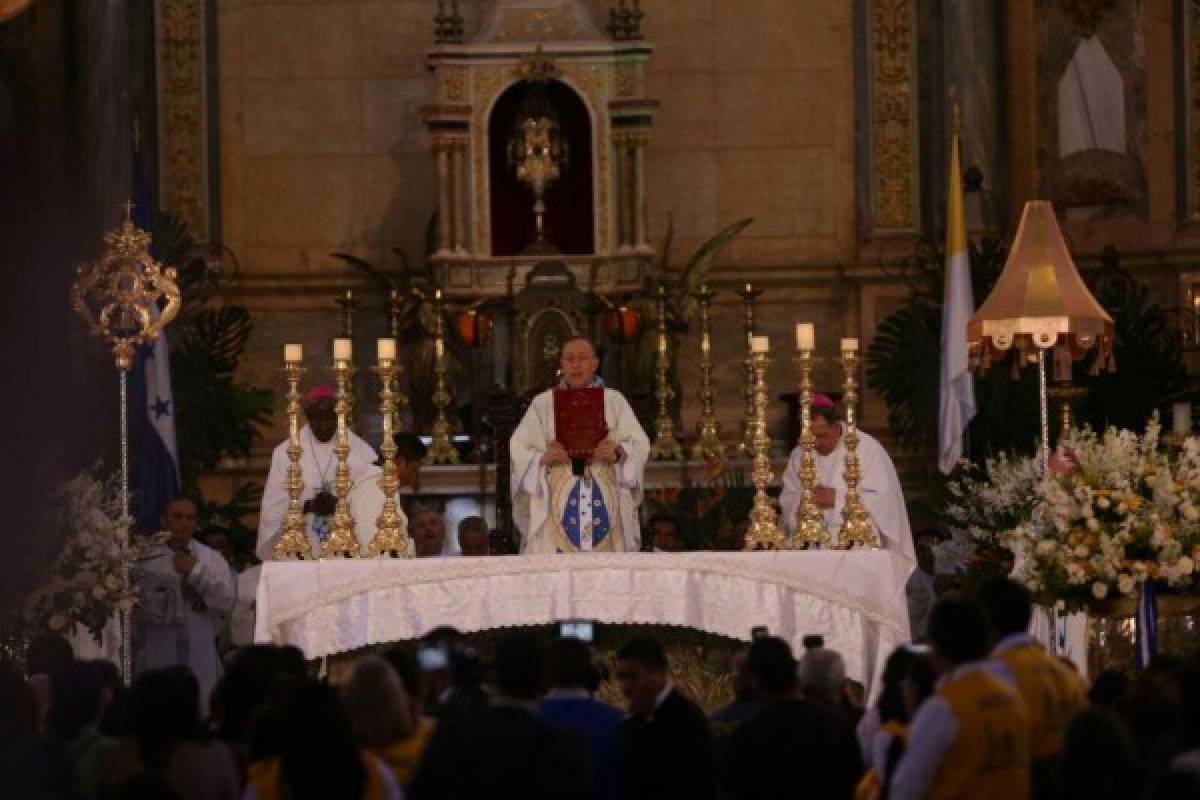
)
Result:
{"points": [[181, 582], [319, 466]]}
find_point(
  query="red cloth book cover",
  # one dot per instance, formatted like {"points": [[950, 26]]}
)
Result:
{"points": [[579, 420]]}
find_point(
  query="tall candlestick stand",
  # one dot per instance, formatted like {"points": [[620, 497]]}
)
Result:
{"points": [[342, 541], [665, 447], [391, 530], [346, 303], [764, 532], [118, 297], [395, 307], [441, 449], [293, 539], [809, 524], [746, 445], [708, 443], [857, 528]]}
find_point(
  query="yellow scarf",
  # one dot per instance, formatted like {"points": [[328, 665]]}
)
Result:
{"points": [[402, 756]]}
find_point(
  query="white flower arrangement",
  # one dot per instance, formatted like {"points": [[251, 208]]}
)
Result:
{"points": [[1116, 510], [88, 580]]}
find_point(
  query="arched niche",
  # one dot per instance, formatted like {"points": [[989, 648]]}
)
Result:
{"points": [[569, 200]]}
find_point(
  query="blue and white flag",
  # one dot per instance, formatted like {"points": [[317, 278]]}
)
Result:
{"points": [[152, 412], [1145, 626]]}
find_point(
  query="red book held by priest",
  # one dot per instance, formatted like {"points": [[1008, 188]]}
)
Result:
{"points": [[579, 420]]}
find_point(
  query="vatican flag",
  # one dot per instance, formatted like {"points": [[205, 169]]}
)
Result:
{"points": [[956, 405]]}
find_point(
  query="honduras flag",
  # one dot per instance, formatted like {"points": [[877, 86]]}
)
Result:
{"points": [[151, 403], [152, 413]]}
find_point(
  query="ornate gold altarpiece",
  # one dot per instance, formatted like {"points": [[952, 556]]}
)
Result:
{"points": [[609, 77]]}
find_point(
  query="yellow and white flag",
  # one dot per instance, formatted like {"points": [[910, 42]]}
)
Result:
{"points": [[956, 405]]}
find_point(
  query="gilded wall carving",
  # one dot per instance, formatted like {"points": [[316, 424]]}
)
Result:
{"points": [[183, 161], [536, 25], [892, 110], [625, 78], [590, 81], [454, 84]]}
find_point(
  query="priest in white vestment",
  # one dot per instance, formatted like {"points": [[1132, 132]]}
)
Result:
{"points": [[319, 467], [366, 499], [557, 511], [182, 582], [878, 488]]}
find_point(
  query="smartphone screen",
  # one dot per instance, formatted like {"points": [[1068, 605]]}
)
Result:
{"points": [[583, 630], [431, 658]]}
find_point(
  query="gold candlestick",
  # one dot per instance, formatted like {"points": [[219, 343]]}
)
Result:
{"points": [[746, 445], [342, 541], [809, 524], [763, 533], [666, 447], [395, 307], [391, 530], [441, 449], [857, 528], [708, 443], [293, 540]]}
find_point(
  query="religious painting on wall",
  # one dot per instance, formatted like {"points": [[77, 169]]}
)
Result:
{"points": [[1091, 85]]}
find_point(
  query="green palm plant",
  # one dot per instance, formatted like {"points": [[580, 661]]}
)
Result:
{"points": [[217, 416]]}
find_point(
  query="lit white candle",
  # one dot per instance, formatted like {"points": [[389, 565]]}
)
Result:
{"points": [[293, 353], [343, 349], [439, 348], [849, 345], [705, 344], [760, 344], [385, 349], [805, 335]]}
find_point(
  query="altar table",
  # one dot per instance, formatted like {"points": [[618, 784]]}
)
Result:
{"points": [[854, 598]]}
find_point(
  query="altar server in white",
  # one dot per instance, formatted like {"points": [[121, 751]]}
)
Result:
{"points": [[182, 582], [319, 466], [558, 511], [878, 488]]}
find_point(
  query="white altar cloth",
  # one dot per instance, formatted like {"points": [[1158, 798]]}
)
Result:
{"points": [[855, 599]]}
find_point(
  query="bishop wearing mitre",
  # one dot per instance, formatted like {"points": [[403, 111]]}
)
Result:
{"points": [[578, 489]]}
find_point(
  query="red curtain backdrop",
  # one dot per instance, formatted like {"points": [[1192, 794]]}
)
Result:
{"points": [[568, 200]]}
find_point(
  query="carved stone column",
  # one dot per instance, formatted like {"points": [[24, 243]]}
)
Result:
{"points": [[639, 203], [441, 148], [624, 190], [460, 193]]}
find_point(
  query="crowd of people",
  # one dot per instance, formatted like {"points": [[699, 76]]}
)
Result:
{"points": [[981, 712]]}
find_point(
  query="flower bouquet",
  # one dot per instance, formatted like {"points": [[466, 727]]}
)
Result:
{"points": [[89, 578], [1113, 511]]}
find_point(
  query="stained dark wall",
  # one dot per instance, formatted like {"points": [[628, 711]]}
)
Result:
{"points": [[64, 166]]}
